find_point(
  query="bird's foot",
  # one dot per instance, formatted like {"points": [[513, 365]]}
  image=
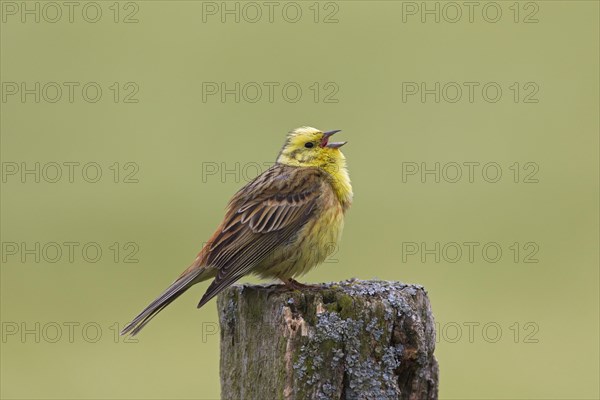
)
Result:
{"points": [[295, 285]]}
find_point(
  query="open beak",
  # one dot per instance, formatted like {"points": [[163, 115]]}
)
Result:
{"points": [[332, 145]]}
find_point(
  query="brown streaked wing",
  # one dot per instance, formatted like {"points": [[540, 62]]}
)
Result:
{"points": [[261, 216]]}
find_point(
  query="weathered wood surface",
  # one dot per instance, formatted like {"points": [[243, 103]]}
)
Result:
{"points": [[347, 340]]}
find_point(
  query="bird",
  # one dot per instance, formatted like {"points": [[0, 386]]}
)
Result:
{"points": [[278, 226]]}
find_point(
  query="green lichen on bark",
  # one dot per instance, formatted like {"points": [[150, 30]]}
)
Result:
{"points": [[348, 340]]}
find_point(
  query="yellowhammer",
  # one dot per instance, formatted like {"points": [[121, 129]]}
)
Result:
{"points": [[280, 225]]}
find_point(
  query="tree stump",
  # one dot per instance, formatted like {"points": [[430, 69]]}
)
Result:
{"points": [[347, 340]]}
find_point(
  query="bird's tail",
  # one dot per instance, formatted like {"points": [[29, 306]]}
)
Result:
{"points": [[176, 289]]}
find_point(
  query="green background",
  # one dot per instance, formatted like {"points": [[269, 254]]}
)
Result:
{"points": [[171, 134]]}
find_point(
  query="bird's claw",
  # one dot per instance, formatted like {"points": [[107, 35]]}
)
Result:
{"points": [[295, 285]]}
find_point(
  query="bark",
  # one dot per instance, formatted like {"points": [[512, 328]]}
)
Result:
{"points": [[347, 340]]}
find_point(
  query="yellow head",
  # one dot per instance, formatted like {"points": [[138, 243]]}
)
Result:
{"points": [[310, 147]]}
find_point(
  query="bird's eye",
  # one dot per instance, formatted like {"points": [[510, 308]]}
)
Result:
{"points": [[308, 145]]}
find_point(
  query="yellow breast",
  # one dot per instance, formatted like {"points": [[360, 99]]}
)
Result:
{"points": [[340, 181], [316, 241]]}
